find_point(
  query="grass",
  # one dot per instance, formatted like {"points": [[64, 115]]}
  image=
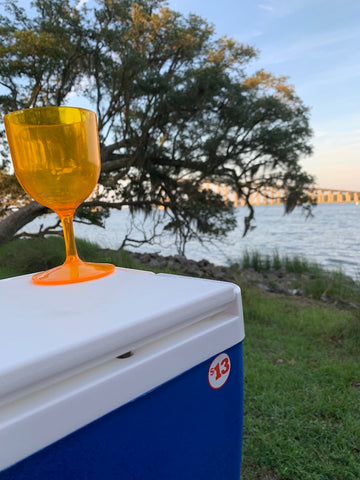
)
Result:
{"points": [[262, 263], [308, 277], [21, 257], [302, 390], [302, 376]]}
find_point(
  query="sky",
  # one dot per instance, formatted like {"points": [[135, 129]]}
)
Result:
{"points": [[316, 44]]}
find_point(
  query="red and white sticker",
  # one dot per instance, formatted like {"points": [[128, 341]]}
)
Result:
{"points": [[219, 371]]}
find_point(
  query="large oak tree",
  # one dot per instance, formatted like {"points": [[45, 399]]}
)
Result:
{"points": [[176, 107]]}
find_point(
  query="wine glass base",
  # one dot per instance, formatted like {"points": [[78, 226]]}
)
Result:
{"points": [[73, 272]]}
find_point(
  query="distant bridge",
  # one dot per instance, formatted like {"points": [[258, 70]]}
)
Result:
{"points": [[273, 196]]}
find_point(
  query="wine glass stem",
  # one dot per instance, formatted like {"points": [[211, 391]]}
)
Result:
{"points": [[70, 246]]}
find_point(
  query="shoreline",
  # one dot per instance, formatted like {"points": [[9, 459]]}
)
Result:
{"points": [[277, 281], [276, 275]]}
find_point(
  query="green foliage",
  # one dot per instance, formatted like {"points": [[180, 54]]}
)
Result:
{"points": [[175, 106], [41, 54]]}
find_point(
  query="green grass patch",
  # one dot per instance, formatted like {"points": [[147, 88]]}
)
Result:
{"points": [[302, 390], [263, 263], [21, 257]]}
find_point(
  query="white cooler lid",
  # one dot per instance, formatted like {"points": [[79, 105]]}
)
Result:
{"points": [[51, 332]]}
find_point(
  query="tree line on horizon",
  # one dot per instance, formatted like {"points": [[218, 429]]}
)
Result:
{"points": [[176, 107]]}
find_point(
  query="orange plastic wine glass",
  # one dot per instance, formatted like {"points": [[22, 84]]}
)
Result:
{"points": [[56, 157]]}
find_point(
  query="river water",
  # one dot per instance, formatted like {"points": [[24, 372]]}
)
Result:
{"points": [[331, 237]]}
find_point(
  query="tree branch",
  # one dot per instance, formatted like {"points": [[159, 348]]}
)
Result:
{"points": [[14, 222]]}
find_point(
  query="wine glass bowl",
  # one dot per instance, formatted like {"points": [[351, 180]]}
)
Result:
{"points": [[56, 157]]}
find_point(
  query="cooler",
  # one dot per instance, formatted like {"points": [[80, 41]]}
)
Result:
{"points": [[135, 376]]}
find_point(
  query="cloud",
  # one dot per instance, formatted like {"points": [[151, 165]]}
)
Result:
{"points": [[281, 8], [312, 46], [267, 7]]}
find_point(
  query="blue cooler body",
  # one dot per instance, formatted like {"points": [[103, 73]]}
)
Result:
{"points": [[133, 376]]}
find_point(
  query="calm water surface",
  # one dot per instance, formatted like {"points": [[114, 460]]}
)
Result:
{"points": [[331, 237]]}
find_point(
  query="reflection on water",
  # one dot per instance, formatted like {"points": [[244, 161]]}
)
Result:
{"points": [[331, 238]]}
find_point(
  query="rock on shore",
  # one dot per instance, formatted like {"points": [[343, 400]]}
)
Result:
{"points": [[278, 281], [185, 266]]}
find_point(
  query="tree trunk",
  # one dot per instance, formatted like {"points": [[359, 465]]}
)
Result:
{"points": [[14, 222]]}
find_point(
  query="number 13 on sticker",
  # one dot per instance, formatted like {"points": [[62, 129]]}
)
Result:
{"points": [[219, 371]]}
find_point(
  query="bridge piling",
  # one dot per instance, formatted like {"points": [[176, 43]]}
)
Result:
{"points": [[274, 196]]}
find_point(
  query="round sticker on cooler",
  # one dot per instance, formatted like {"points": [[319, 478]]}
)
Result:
{"points": [[219, 371]]}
